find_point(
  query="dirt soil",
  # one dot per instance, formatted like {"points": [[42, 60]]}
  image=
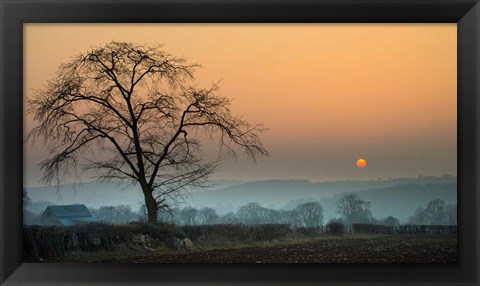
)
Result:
{"points": [[381, 249]]}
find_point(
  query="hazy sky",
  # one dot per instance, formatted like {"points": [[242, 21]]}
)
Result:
{"points": [[329, 93]]}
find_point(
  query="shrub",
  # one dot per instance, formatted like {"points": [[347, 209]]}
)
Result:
{"points": [[371, 228], [308, 231], [335, 228], [404, 229], [269, 232], [425, 229], [160, 231], [220, 233], [41, 242], [51, 242]]}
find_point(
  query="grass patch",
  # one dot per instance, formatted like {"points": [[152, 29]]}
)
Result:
{"points": [[125, 255]]}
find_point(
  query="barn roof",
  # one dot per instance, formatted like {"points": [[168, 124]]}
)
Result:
{"points": [[67, 221], [70, 211]]}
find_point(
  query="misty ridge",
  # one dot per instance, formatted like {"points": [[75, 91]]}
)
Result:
{"points": [[397, 197]]}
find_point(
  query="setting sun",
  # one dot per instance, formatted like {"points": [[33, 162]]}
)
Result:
{"points": [[361, 163]]}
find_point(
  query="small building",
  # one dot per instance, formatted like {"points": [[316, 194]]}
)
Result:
{"points": [[67, 215]]}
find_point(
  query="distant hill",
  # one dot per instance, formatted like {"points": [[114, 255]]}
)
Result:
{"points": [[336, 187], [269, 193], [288, 193]]}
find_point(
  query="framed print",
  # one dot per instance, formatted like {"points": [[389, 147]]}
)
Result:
{"points": [[276, 142]]}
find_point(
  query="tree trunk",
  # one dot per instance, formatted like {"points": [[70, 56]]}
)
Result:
{"points": [[151, 204]]}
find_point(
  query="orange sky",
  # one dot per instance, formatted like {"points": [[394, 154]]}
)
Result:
{"points": [[329, 93]]}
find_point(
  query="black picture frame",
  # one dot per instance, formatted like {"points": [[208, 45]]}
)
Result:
{"points": [[466, 13]]}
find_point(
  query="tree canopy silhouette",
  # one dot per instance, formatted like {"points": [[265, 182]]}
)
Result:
{"points": [[131, 113], [353, 209]]}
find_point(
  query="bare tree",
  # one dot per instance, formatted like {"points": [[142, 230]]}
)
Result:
{"points": [[353, 209], [107, 214], [274, 216], [435, 212], [121, 214], [252, 213], [229, 218], [451, 213], [291, 217], [207, 216], [130, 113], [124, 214], [419, 217], [311, 214], [188, 216]]}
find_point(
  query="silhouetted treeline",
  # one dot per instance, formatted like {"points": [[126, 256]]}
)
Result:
{"points": [[403, 229], [308, 214], [121, 214], [351, 209], [436, 212]]}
